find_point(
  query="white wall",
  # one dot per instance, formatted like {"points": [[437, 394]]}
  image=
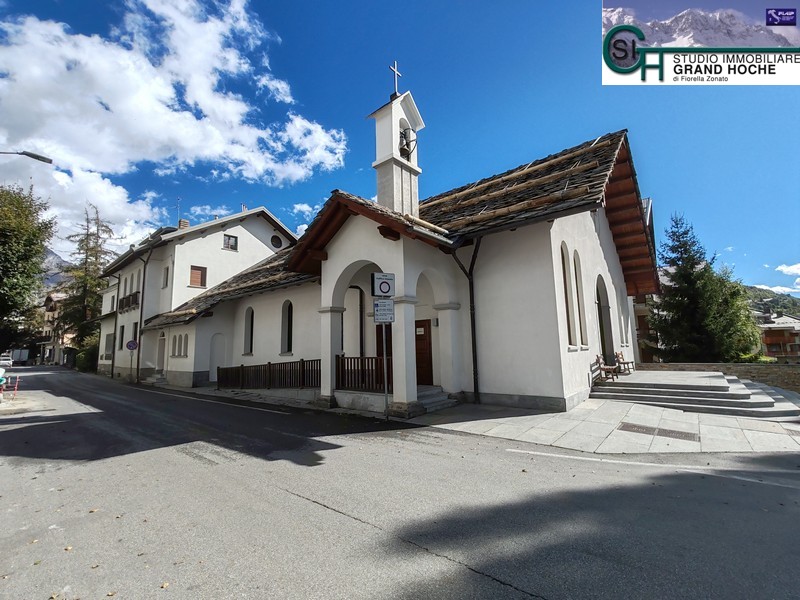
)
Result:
{"points": [[590, 235], [204, 249], [516, 329]]}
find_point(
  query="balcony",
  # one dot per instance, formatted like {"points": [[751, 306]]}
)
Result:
{"points": [[129, 302]]}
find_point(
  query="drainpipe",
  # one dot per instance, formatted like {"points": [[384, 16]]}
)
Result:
{"points": [[468, 273], [114, 333], [141, 312]]}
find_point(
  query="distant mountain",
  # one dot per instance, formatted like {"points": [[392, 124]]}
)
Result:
{"points": [[54, 267], [693, 27], [767, 300]]}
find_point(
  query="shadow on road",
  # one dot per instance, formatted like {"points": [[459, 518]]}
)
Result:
{"points": [[124, 419], [681, 535]]}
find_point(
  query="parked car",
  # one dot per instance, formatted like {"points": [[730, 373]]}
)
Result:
{"points": [[6, 360]]}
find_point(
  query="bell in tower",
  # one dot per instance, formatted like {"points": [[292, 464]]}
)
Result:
{"points": [[396, 126]]}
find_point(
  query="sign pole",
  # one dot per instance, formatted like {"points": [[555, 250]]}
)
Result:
{"points": [[385, 374], [131, 366]]}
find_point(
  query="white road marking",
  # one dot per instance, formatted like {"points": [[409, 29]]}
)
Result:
{"points": [[697, 469]]}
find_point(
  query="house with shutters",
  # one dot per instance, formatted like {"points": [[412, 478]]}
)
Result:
{"points": [[505, 289], [164, 271]]}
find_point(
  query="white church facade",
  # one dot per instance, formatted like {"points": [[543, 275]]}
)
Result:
{"points": [[506, 289]]}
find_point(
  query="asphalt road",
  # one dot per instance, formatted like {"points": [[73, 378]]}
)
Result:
{"points": [[116, 491]]}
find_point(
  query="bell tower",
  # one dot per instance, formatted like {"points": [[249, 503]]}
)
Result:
{"points": [[396, 127]]}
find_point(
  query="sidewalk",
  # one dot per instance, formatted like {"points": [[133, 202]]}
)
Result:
{"points": [[609, 427], [596, 426]]}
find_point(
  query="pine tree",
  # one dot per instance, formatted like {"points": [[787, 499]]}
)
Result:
{"points": [[24, 231], [701, 315], [84, 302]]}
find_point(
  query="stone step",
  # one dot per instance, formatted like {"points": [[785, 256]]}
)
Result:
{"points": [[718, 385], [440, 404], [737, 392], [760, 401], [779, 410]]}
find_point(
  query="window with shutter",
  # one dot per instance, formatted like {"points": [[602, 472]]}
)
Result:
{"points": [[197, 277]]}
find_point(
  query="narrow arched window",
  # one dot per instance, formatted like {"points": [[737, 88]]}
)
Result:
{"points": [[180, 345], [186, 344], [568, 308], [174, 345], [287, 318], [249, 320], [576, 259]]}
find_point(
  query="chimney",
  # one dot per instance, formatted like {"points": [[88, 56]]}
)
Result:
{"points": [[183, 224]]}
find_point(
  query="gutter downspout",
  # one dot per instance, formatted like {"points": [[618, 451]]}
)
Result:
{"points": [[471, 281], [141, 312], [114, 333]]}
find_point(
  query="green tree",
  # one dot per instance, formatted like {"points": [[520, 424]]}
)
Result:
{"points": [[701, 315], [84, 302], [24, 232]]}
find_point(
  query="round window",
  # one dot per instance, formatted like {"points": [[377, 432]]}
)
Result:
{"points": [[277, 242]]}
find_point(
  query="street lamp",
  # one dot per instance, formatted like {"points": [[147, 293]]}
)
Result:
{"points": [[32, 155]]}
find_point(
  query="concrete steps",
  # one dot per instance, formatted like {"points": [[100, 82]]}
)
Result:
{"points": [[712, 393], [433, 398]]}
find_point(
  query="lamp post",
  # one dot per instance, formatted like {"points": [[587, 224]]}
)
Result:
{"points": [[32, 155]]}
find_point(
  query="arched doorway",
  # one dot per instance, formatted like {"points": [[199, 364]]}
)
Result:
{"points": [[604, 328], [216, 356], [161, 352]]}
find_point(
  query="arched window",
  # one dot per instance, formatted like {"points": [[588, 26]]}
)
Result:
{"points": [[287, 318], [249, 320], [576, 259], [113, 302], [568, 307], [125, 287], [186, 344], [174, 345], [180, 345], [138, 280]]}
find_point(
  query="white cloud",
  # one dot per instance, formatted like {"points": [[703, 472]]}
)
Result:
{"points": [[766, 266], [156, 93], [206, 210], [729, 249], [301, 229], [789, 269], [278, 89]]}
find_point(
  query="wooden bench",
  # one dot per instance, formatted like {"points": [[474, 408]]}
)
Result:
{"points": [[624, 365], [605, 370]]}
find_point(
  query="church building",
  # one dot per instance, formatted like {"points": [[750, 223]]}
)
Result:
{"points": [[505, 290]]}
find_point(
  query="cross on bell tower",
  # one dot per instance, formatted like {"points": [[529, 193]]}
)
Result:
{"points": [[396, 75]]}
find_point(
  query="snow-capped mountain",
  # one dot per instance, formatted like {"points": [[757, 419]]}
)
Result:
{"points": [[693, 27]]}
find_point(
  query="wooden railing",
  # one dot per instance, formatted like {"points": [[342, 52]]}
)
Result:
{"points": [[364, 373], [296, 374]]}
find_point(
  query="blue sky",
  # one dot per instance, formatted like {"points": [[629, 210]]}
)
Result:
{"points": [[147, 103]]}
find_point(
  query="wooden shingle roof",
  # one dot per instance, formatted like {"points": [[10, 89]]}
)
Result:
{"points": [[569, 181]]}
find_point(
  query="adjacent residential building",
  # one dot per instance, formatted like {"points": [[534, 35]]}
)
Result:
{"points": [[505, 289], [54, 344], [780, 336], [164, 271]]}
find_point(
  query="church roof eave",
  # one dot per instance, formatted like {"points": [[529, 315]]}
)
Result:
{"points": [[310, 249]]}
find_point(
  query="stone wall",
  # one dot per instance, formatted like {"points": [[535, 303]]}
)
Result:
{"points": [[783, 376]]}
